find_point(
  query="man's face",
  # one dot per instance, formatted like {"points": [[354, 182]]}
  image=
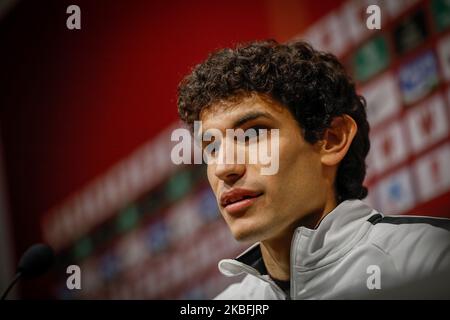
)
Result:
{"points": [[269, 205]]}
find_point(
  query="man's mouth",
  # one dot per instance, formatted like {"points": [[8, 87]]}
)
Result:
{"points": [[237, 200]]}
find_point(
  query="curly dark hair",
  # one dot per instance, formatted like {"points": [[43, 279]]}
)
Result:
{"points": [[312, 84]]}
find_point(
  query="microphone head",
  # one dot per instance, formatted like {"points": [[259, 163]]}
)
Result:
{"points": [[36, 260]]}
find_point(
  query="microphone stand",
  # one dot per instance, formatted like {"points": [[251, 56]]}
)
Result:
{"points": [[11, 285]]}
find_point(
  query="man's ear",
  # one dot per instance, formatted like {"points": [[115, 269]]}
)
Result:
{"points": [[337, 140]]}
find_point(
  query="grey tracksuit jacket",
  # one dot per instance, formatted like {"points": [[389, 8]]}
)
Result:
{"points": [[354, 251]]}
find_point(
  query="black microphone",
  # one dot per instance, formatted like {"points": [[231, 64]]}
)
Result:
{"points": [[34, 262]]}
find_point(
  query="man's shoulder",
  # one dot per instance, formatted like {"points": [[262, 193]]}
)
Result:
{"points": [[412, 240], [411, 221], [403, 229]]}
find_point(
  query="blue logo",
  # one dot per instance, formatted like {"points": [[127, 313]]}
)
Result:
{"points": [[419, 77]]}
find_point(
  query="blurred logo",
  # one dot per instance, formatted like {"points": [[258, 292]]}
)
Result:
{"points": [[371, 58], [427, 123], [411, 32], [418, 77], [207, 204], [157, 237], [433, 173], [395, 192], [389, 147], [444, 56], [383, 99], [441, 13]]}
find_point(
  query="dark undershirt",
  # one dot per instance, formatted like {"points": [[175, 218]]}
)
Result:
{"points": [[285, 285], [259, 265]]}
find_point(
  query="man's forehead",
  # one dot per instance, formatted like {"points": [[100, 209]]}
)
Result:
{"points": [[225, 113]]}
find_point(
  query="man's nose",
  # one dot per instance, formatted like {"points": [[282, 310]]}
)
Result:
{"points": [[229, 170], [230, 173]]}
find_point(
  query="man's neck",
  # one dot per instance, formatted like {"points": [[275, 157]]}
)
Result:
{"points": [[276, 256], [276, 251]]}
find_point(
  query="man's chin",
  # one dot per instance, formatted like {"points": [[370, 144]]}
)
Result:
{"points": [[249, 227], [246, 234]]}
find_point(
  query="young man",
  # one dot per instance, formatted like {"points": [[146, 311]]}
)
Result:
{"points": [[313, 236]]}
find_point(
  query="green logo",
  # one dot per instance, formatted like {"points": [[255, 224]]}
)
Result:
{"points": [[371, 58], [441, 13]]}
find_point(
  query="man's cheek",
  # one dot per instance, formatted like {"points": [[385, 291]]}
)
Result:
{"points": [[210, 176]]}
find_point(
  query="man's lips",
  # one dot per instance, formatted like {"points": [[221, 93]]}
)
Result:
{"points": [[236, 200]]}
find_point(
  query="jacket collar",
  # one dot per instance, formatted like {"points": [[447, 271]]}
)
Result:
{"points": [[338, 232]]}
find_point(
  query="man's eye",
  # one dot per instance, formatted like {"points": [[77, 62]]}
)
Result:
{"points": [[250, 133], [253, 132]]}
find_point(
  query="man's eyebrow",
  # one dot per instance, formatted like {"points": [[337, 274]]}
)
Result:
{"points": [[251, 116]]}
